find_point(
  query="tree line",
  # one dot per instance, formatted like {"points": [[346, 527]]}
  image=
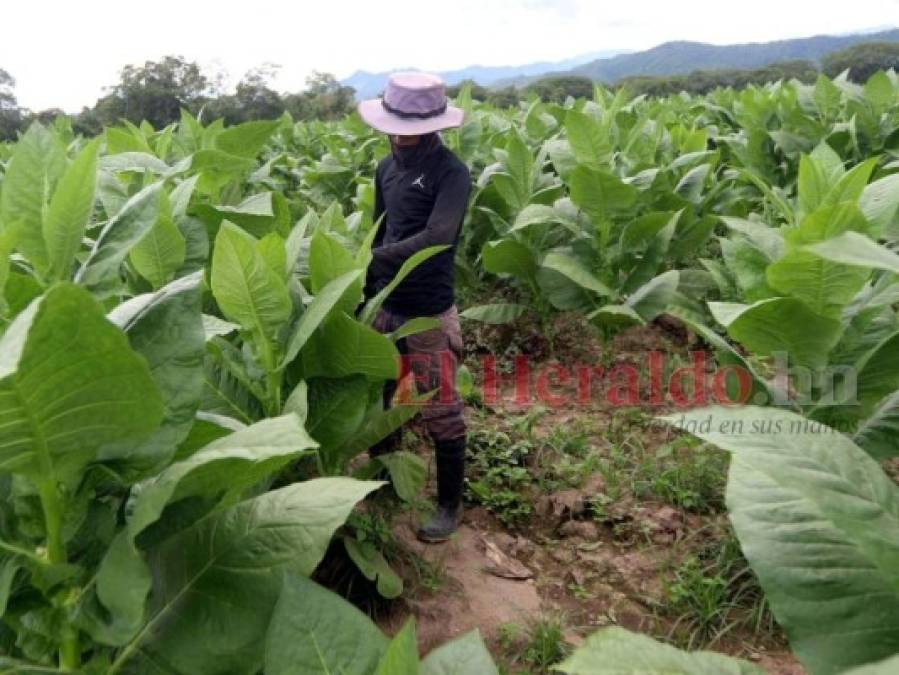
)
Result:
{"points": [[158, 90]]}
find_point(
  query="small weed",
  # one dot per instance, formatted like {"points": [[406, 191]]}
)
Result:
{"points": [[429, 574], [535, 648], [684, 473], [508, 635], [700, 594], [615, 470], [523, 425], [373, 527], [713, 592], [570, 440], [502, 482], [579, 591], [546, 642]]}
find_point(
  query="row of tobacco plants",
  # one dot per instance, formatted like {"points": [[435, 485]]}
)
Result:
{"points": [[188, 375]]}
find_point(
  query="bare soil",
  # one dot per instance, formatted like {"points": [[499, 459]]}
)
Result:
{"points": [[564, 560]]}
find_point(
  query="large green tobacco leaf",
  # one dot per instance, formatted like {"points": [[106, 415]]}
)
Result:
{"points": [[599, 194], [255, 214], [374, 567], [653, 297], [69, 212], [879, 203], [161, 252], [574, 271], [824, 285], [616, 651], [878, 435], [228, 465], [317, 311], [878, 372], [879, 91], [768, 240], [888, 666], [7, 244], [641, 231], [165, 328], [372, 306], [851, 185], [375, 427], [336, 409], [225, 467], [316, 632], [589, 140], [329, 260], [69, 383], [852, 248], [818, 520], [247, 139], [34, 168], [690, 186], [343, 346], [464, 655], [225, 394], [515, 183], [401, 655], [216, 583], [132, 161], [502, 312], [780, 325], [245, 288], [508, 256], [748, 264], [813, 184], [119, 236], [408, 471]]}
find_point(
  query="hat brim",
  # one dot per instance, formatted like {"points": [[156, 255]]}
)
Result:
{"points": [[375, 116]]}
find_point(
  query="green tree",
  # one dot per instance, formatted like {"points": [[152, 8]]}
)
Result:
{"points": [[559, 87], [10, 113], [704, 81], [862, 60], [324, 98], [507, 97], [478, 92], [254, 99], [155, 92]]}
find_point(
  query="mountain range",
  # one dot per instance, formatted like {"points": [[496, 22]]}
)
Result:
{"points": [[368, 84], [668, 58]]}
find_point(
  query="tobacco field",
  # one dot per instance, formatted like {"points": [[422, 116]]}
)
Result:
{"points": [[190, 380]]}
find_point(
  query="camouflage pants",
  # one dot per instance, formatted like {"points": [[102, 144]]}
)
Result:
{"points": [[433, 358]]}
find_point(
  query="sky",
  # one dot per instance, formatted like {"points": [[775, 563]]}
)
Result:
{"points": [[63, 53]]}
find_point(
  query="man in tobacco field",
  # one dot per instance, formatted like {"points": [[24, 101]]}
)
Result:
{"points": [[421, 194]]}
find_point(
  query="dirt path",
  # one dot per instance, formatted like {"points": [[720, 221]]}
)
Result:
{"points": [[470, 596], [611, 512]]}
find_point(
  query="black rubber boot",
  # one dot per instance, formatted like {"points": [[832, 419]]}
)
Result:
{"points": [[450, 456]]}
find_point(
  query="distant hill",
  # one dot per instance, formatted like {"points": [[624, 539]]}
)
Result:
{"points": [[369, 84], [672, 58]]}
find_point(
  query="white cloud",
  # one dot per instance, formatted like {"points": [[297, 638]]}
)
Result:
{"points": [[63, 53]]}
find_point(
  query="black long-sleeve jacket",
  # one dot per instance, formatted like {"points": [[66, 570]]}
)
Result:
{"points": [[423, 197]]}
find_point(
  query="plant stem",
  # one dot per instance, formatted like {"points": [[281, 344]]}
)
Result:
{"points": [[273, 387], [56, 548], [69, 650]]}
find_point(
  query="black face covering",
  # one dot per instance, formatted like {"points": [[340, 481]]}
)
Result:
{"points": [[413, 156]]}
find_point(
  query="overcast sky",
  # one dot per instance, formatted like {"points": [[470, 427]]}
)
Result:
{"points": [[62, 53]]}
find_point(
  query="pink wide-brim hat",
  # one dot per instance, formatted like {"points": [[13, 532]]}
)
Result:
{"points": [[413, 104]]}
